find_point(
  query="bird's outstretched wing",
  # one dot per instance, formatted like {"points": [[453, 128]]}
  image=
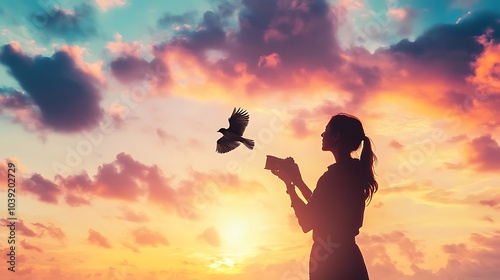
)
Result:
{"points": [[224, 145], [238, 121]]}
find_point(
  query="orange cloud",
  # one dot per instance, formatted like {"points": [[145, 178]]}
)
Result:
{"points": [[487, 66]]}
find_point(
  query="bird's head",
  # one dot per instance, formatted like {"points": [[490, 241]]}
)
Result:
{"points": [[221, 130]]}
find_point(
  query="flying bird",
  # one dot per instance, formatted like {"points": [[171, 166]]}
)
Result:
{"points": [[233, 136]]}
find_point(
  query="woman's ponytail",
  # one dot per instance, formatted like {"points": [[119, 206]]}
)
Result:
{"points": [[368, 160]]}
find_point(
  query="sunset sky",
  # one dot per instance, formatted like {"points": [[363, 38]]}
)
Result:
{"points": [[110, 109]]}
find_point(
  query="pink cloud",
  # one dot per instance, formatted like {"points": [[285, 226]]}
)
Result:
{"points": [[44, 189], [489, 219], [128, 180], [119, 47], [273, 60], [490, 203], [299, 127], [483, 154], [98, 239], [51, 230], [105, 5], [407, 247], [476, 259], [131, 216], [92, 69], [120, 179], [28, 246], [165, 136], [76, 201], [21, 228], [396, 145], [145, 237]]}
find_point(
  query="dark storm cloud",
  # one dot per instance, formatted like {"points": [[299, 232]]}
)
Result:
{"points": [[450, 48], [67, 97]]}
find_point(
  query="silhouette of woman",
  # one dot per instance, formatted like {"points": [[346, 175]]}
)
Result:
{"points": [[335, 210]]}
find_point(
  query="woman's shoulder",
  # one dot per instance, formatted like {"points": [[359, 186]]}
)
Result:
{"points": [[352, 164]]}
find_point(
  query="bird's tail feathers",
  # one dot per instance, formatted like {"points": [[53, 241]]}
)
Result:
{"points": [[249, 143]]}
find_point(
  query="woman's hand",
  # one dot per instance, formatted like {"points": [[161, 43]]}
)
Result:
{"points": [[293, 173], [283, 176]]}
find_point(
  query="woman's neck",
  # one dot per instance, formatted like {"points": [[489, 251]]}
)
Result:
{"points": [[341, 156]]}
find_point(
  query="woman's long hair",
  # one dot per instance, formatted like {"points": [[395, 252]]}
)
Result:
{"points": [[352, 134]]}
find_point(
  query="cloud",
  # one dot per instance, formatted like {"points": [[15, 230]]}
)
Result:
{"points": [[169, 20], [164, 135], [133, 48], [405, 18], [145, 237], [120, 179], [129, 67], [42, 188], [448, 48], [21, 228], [28, 246], [71, 26], [406, 246], [483, 154], [128, 180], [489, 219], [396, 145], [276, 42], [105, 5], [210, 236], [13, 99], [475, 259], [65, 96], [96, 238], [131, 216], [51, 230], [76, 201], [131, 247]]}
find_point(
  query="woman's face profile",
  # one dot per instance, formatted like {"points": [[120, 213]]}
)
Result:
{"points": [[328, 139]]}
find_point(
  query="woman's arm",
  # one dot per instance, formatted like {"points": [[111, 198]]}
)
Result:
{"points": [[304, 189], [303, 211]]}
